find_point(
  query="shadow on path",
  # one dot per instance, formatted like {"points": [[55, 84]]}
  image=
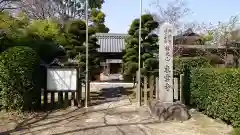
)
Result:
{"points": [[106, 95]]}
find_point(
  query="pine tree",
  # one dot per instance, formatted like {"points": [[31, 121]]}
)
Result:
{"points": [[76, 49], [149, 46]]}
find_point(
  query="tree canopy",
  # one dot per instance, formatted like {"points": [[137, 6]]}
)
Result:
{"points": [[41, 33], [149, 46], [44, 36], [76, 47]]}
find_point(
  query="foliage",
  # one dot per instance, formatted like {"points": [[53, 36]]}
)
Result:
{"points": [[63, 10], [215, 91], [206, 38], [236, 131], [149, 46], [48, 50], [98, 19], [44, 36], [46, 29], [76, 49], [11, 29], [18, 79], [181, 64], [9, 23]]}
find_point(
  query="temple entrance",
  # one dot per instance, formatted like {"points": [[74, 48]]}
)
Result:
{"points": [[115, 68]]}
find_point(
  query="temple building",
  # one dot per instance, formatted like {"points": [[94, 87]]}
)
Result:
{"points": [[112, 46], [187, 44], [111, 50], [187, 38]]}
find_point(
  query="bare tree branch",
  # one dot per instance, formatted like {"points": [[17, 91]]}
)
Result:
{"points": [[174, 11], [224, 37], [7, 5], [226, 32]]}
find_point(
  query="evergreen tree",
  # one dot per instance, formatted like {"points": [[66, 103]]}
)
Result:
{"points": [[44, 36], [98, 19], [76, 49], [149, 46]]}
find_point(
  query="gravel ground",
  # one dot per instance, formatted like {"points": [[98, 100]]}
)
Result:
{"points": [[118, 116]]}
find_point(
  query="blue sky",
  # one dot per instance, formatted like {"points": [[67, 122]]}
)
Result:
{"points": [[120, 13]]}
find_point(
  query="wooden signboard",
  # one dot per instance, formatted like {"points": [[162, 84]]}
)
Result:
{"points": [[62, 79]]}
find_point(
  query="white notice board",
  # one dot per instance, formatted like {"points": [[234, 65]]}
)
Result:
{"points": [[61, 79]]}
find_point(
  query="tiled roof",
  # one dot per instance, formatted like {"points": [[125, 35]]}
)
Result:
{"points": [[111, 42], [186, 34]]}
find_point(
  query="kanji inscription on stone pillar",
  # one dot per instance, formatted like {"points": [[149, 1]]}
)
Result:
{"points": [[166, 62]]}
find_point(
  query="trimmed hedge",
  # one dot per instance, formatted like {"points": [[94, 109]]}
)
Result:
{"points": [[216, 92], [19, 67], [236, 131], [181, 64]]}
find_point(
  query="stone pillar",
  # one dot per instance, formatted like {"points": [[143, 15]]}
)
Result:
{"points": [[166, 63], [165, 109]]}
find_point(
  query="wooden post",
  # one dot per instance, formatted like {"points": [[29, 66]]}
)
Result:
{"points": [[79, 95], [138, 90], [52, 98], [79, 88], [181, 88], [145, 90], [45, 98], [89, 92], [66, 98], [60, 97], [151, 83], [175, 93], [157, 88], [72, 98]]}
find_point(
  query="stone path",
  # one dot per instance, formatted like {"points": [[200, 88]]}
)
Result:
{"points": [[117, 117], [97, 86]]}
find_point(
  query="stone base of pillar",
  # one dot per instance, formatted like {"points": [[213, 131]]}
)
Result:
{"points": [[168, 111]]}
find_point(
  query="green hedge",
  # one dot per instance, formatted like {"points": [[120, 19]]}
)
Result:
{"points": [[236, 131], [19, 67], [216, 92], [181, 64]]}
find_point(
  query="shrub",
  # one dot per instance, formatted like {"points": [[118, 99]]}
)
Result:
{"points": [[181, 64], [19, 67], [216, 92], [236, 131]]}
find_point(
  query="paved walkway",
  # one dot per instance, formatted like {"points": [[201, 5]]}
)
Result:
{"points": [[116, 117]]}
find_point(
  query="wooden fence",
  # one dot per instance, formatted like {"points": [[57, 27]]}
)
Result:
{"points": [[62, 98], [151, 88]]}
